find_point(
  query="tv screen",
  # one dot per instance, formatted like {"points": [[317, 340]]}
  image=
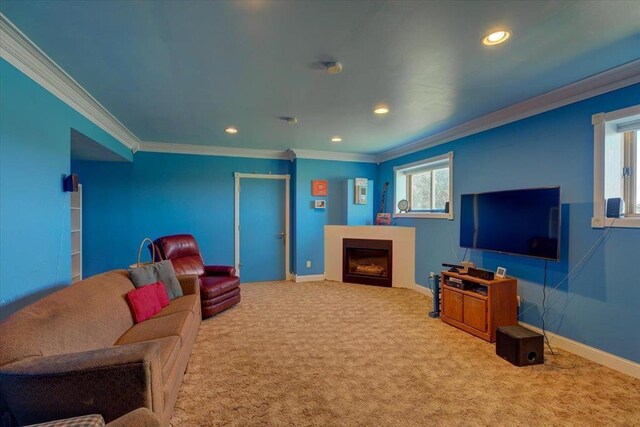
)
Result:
{"points": [[521, 222]]}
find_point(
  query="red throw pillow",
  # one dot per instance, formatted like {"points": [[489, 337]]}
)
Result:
{"points": [[161, 292], [143, 302]]}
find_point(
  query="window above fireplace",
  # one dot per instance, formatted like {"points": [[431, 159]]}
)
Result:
{"points": [[427, 186]]}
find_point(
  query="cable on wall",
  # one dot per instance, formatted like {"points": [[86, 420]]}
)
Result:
{"points": [[453, 248], [544, 308], [586, 257]]}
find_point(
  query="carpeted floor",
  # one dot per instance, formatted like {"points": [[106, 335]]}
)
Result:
{"points": [[326, 353]]}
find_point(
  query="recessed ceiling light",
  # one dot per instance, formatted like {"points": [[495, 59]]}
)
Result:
{"points": [[381, 109], [496, 37], [231, 130], [336, 140], [333, 67]]}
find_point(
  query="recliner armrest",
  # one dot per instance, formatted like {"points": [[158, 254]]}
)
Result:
{"points": [[219, 270], [110, 381]]}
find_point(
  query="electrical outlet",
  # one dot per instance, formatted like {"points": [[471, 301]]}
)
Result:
{"points": [[432, 275], [518, 300], [308, 264]]}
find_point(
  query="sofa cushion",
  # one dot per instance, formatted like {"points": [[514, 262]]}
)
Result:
{"points": [[157, 272], [185, 303], [212, 286], [158, 327], [87, 315], [161, 293], [144, 302]]}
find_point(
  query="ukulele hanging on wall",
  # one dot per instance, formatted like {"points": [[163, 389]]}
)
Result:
{"points": [[383, 218]]}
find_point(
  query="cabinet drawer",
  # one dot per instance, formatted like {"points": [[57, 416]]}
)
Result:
{"points": [[475, 313], [452, 304]]}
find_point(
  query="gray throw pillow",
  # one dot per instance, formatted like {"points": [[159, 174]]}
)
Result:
{"points": [[156, 272]]}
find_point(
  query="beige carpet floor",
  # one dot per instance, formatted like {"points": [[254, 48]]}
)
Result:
{"points": [[329, 354]]}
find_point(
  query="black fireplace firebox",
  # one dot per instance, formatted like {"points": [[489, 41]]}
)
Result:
{"points": [[367, 261]]}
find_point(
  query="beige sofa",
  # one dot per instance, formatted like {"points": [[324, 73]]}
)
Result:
{"points": [[78, 351]]}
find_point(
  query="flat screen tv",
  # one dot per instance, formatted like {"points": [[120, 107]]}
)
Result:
{"points": [[520, 222]]}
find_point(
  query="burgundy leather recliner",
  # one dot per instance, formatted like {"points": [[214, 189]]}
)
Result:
{"points": [[219, 285]]}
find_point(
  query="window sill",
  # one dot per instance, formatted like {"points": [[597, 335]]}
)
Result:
{"points": [[448, 216], [626, 222]]}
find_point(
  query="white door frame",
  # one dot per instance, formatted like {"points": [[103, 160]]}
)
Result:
{"points": [[236, 227]]}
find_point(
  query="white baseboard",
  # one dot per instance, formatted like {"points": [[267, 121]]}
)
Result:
{"points": [[423, 290], [609, 360], [309, 278]]}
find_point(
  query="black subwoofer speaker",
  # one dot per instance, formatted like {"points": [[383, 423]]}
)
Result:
{"points": [[520, 346]]}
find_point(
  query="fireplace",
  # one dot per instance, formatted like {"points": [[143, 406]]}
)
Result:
{"points": [[367, 261]]}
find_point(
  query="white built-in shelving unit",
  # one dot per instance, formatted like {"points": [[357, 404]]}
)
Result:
{"points": [[76, 235]]}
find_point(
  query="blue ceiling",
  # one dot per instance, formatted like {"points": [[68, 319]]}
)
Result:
{"points": [[182, 72]]}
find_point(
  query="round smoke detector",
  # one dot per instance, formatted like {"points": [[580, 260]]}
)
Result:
{"points": [[289, 120], [333, 67]]}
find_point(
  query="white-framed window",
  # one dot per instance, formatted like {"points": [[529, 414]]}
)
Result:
{"points": [[427, 186], [616, 166]]}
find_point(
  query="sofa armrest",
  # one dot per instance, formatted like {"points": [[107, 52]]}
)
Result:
{"points": [[219, 270], [141, 417], [111, 381], [190, 284]]}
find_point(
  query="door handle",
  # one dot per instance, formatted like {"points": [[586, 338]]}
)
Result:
{"points": [[281, 236]]}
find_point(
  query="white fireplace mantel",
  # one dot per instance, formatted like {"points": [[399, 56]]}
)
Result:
{"points": [[403, 257]]}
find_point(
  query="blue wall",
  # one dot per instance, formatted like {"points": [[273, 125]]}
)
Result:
{"points": [[157, 195], [160, 194], [35, 132], [310, 222], [599, 304]]}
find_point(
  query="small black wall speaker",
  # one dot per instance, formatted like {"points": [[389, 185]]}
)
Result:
{"points": [[70, 183], [615, 207], [519, 346]]}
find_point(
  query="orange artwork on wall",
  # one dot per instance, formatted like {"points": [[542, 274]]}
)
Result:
{"points": [[319, 187]]}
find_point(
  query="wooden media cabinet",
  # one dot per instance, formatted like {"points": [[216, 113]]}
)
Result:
{"points": [[479, 310]]}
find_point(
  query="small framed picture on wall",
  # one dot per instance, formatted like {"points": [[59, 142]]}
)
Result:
{"points": [[319, 187], [320, 204]]}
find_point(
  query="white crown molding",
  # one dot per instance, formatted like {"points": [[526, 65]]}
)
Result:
{"points": [[18, 50], [257, 153], [333, 155], [209, 150], [598, 84]]}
